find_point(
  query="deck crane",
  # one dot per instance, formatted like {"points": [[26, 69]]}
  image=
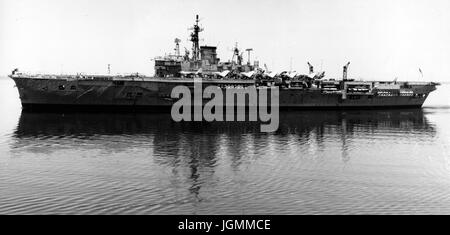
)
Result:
{"points": [[311, 68], [345, 71]]}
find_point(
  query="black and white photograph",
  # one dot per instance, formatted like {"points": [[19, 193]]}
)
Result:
{"points": [[224, 107]]}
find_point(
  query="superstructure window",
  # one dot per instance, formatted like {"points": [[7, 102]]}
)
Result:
{"points": [[62, 87]]}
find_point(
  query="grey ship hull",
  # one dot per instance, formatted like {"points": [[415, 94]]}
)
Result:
{"points": [[154, 94]]}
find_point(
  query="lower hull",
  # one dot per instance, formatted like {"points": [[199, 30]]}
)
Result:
{"points": [[55, 95]]}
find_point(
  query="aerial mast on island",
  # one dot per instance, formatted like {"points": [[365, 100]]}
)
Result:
{"points": [[195, 40]]}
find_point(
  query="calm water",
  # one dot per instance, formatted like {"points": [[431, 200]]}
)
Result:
{"points": [[317, 163]]}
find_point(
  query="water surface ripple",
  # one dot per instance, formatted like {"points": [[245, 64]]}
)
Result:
{"points": [[318, 162]]}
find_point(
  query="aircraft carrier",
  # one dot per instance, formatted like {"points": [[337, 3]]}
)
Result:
{"points": [[137, 92]]}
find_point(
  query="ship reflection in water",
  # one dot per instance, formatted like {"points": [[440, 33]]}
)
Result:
{"points": [[317, 162]]}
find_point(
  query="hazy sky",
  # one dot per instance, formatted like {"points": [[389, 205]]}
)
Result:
{"points": [[383, 39]]}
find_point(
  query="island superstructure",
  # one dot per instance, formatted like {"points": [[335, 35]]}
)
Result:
{"points": [[139, 92]]}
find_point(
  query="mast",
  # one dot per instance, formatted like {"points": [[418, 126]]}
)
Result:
{"points": [[237, 55], [195, 40], [177, 47], [249, 50]]}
